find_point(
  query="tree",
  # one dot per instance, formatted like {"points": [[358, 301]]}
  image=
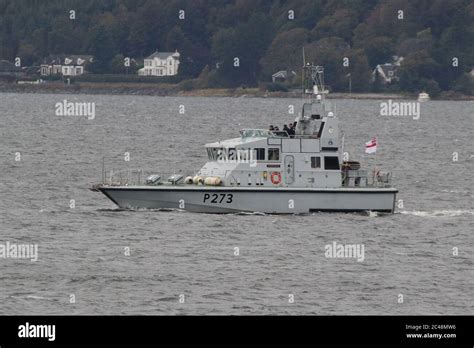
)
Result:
{"points": [[193, 56], [101, 47], [464, 84], [417, 69], [239, 50], [358, 69], [285, 52], [27, 54], [136, 41], [117, 65], [329, 53], [339, 24], [379, 50]]}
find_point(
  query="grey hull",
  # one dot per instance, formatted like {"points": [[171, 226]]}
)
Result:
{"points": [[241, 199]]}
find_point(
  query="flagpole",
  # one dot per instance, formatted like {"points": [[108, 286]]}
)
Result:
{"points": [[342, 147], [370, 148], [375, 164]]}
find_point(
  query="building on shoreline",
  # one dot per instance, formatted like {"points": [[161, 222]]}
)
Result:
{"points": [[387, 73], [283, 76], [65, 65], [161, 64]]}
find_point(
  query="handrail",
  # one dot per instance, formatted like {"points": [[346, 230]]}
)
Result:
{"points": [[135, 176]]}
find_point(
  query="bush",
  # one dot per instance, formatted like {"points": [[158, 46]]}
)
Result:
{"points": [[431, 87], [52, 78], [464, 84], [276, 87], [10, 78], [187, 85], [212, 80], [129, 78]]}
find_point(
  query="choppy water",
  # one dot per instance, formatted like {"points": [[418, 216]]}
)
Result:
{"points": [[81, 250]]}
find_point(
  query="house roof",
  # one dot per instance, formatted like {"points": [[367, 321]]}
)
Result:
{"points": [[384, 70], [71, 59], [388, 67], [136, 61], [283, 74], [163, 55], [56, 60], [78, 60]]}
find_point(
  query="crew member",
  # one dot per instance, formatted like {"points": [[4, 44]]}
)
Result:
{"points": [[291, 129]]}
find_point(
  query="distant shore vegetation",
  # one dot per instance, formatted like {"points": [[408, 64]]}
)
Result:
{"points": [[244, 43]]}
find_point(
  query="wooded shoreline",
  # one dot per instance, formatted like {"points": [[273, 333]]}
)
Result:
{"points": [[147, 89], [172, 90]]}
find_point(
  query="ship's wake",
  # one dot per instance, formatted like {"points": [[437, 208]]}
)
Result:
{"points": [[438, 213], [116, 210]]}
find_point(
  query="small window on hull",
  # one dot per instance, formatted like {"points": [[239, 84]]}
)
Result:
{"points": [[273, 154], [315, 162]]}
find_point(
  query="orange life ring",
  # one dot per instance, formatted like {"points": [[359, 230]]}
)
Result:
{"points": [[275, 177]]}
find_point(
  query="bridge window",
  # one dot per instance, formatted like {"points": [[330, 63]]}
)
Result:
{"points": [[226, 154], [242, 154], [251, 133], [315, 162], [273, 154], [260, 154], [231, 153], [220, 155], [215, 153], [331, 163]]}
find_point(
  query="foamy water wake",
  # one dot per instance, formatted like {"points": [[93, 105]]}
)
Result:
{"points": [[438, 213]]}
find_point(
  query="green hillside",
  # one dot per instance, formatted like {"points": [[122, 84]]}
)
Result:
{"points": [[435, 37]]}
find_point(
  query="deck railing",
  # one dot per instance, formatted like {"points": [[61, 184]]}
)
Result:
{"points": [[356, 178], [135, 177]]}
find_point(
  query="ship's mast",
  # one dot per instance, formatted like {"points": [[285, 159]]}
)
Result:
{"points": [[313, 83]]}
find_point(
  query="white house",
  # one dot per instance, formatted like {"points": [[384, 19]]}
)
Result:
{"points": [[388, 72], [160, 64], [72, 65], [283, 76]]}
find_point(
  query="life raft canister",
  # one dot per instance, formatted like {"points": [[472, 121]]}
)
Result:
{"points": [[275, 177]]}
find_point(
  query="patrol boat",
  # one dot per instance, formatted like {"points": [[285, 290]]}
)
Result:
{"points": [[269, 171]]}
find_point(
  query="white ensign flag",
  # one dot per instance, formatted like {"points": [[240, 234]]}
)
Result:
{"points": [[371, 146]]}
